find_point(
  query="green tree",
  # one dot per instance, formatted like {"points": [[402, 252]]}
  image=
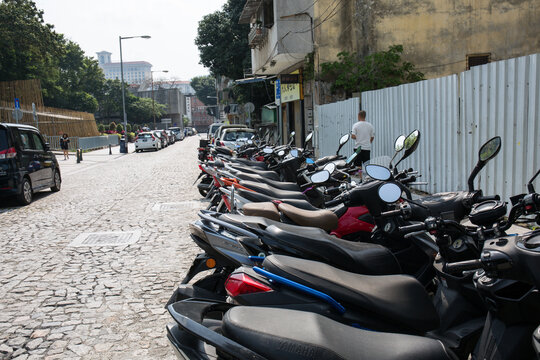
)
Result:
{"points": [[205, 86], [185, 120], [101, 128], [128, 127], [119, 128], [112, 126], [223, 43], [29, 46], [352, 73]]}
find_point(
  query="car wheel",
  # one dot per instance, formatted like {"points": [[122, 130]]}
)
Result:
{"points": [[57, 182], [26, 195]]}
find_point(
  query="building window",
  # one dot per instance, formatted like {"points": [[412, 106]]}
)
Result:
{"points": [[477, 59]]}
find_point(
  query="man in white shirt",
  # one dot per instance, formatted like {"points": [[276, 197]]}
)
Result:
{"points": [[363, 133]]}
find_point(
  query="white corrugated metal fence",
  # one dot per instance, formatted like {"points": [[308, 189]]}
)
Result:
{"points": [[456, 115]]}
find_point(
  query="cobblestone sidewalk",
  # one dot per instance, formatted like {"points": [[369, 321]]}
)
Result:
{"points": [[98, 302]]}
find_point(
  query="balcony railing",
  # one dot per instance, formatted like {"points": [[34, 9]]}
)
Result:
{"points": [[257, 36]]}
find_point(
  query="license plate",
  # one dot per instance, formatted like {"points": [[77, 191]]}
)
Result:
{"points": [[144, 140]]}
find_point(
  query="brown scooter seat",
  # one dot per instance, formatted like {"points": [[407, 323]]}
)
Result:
{"points": [[265, 209], [323, 219]]}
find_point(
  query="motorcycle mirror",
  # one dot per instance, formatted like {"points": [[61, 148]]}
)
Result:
{"points": [[310, 161], [410, 144], [291, 138], [281, 153], [320, 177], [342, 141], [389, 193], [330, 167], [294, 153], [399, 143], [487, 152], [378, 172], [267, 150], [530, 186], [308, 138], [351, 158], [398, 146], [250, 142]]}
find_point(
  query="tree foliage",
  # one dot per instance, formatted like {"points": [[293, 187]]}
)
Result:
{"points": [[204, 86], [352, 73], [223, 43]]}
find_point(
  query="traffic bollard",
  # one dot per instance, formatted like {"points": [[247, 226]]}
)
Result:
{"points": [[110, 149], [78, 157]]}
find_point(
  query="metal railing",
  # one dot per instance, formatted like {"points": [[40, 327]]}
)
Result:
{"points": [[84, 143]]}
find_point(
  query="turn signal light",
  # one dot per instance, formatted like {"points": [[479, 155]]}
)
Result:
{"points": [[8, 153], [241, 284]]}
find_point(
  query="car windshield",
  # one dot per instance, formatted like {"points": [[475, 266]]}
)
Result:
{"points": [[214, 129], [145, 135], [3, 139], [232, 136]]}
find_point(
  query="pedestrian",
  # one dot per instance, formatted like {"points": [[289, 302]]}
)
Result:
{"points": [[64, 145], [363, 133]]}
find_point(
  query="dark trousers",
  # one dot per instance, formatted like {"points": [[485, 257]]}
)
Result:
{"points": [[362, 157]]}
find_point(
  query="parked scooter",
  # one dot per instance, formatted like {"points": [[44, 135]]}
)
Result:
{"points": [[505, 276]]}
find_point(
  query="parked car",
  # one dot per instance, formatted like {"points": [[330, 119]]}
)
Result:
{"points": [[162, 137], [178, 132], [236, 137], [212, 129], [219, 133], [170, 136], [194, 131], [27, 164], [147, 141]]}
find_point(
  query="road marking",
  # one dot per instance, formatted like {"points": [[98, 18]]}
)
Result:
{"points": [[115, 238]]}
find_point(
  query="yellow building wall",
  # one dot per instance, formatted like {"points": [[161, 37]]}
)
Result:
{"points": [[437, 35]]}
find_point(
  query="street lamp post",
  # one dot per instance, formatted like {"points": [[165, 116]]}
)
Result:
{"points": [[120, 38], [153, 106]]}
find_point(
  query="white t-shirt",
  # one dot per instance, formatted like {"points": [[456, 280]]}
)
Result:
{"points": [[363, 131]]}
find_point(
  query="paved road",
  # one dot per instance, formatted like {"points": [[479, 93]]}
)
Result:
{"points": [[98, 302]]}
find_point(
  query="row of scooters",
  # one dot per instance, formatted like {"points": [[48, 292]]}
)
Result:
{"points": [[300, 262]]}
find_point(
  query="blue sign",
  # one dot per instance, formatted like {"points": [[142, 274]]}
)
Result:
{"points": [[278, 89], [17, 105]]}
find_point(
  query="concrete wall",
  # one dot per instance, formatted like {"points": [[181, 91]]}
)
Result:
{"points": [[437, 35]]}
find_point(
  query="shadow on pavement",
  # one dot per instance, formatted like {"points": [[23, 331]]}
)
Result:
{"points": [[8, 204]]}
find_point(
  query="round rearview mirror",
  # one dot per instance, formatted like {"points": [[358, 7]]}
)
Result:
{"points": [[309, 137], [378, 172], [344, 139], [389, 193], [320, 177], [330, 167], [267, 150], [411, 139], [351, 158], [250, 142], [294, 153], [281, 153], [399, 143], [292, 134], [490, 149]]}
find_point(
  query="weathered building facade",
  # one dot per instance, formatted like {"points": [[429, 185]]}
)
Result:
{"points": [[439, 37]]}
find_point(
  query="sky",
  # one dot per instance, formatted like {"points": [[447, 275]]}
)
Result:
{"points": [[96, 24]]}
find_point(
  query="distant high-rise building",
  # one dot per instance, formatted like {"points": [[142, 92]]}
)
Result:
{"points": [[135, 72]]}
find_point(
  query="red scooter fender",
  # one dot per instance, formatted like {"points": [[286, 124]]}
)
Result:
{"points": [[351, 223]]}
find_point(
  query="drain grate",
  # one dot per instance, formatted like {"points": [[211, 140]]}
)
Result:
{"points": [[116, 238], [175, 206]]}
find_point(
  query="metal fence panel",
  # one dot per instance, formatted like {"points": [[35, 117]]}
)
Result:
{"points": [[456, 115], [84, 143], [335, 120]]}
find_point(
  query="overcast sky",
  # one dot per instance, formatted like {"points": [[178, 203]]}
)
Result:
{"points": [[96, 24]]}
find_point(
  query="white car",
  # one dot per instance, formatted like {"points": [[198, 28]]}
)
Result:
{"points": [[147, 141], [234, 138]]}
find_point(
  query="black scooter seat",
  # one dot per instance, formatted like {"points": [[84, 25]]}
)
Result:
{"points": [[290, 186], [272, 191], [290, 334], [400, 299], [315, 243], [257, 197], [258, 164], [266, 173]]}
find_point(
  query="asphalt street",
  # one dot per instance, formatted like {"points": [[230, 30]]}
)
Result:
{"points": [[86, 272]]}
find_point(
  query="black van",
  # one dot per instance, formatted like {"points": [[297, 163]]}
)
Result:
{"points": [[27, 164]]}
